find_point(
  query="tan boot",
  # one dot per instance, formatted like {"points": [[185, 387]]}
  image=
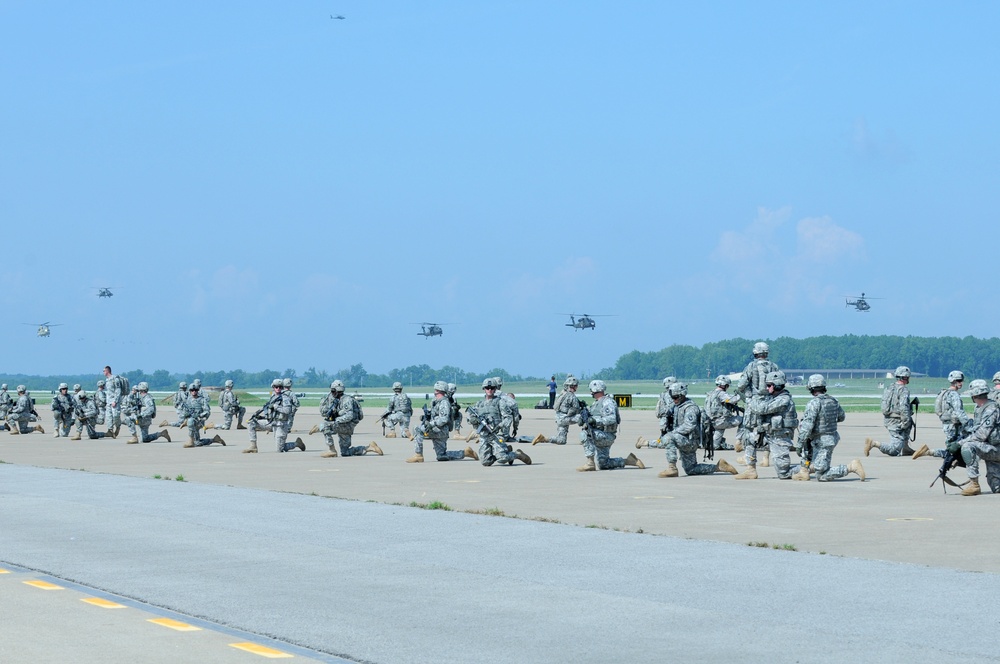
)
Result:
{"points": [[407, 434], [749, 474], [538, 439], [38, 428], [416, 458], [330, 454], [855, 467], [374, 448], [765, 459], [209, 425], [218, 439], [869, 444], [315, 429], [390, 434], [75, 436], [469, 454], [457, 435], [15, 429], [803, 474], [725, 467], [190, 443], [164, 423], [671, 471], [588, 466], [132, 440], [471, 437], [972, 488], [738, 446], [641, 442], [741, 461], [923, 451], [56, 434], [524, 458], [165, 435], [251, 450], [633, 460]]}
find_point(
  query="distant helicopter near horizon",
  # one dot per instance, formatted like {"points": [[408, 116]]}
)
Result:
{"points": [[338, 17], [428, 330], [584, 322], [860, 303], [105, 291], [43, 328]]}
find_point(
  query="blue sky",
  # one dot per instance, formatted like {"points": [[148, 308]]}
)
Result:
{"points": [[270, 188]]}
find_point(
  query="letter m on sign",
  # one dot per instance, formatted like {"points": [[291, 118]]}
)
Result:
{"points": [[623, 400]]}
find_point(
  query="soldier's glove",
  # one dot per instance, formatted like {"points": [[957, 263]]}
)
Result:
{"points": [[955, 446], [591, 422]]}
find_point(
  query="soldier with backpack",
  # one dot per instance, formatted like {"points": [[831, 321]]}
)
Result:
{"points": [[949, 409], [437, 428], [341, 419], [117, 389], [776, 424], [686, 436], [897, 413]]}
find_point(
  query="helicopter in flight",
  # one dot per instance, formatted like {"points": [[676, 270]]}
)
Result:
{"points": [[860, 303], [584, 322], [105, 291], [43, 328], [428, 330], [338, 17]]}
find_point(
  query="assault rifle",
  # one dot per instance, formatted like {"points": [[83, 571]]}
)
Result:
{"points": [[915, 402], [708, 435], [585, 421], [486, 428], [951, 459], [386, 414]]}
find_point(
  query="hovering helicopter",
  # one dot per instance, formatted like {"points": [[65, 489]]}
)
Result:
{"points": [[428, 330], [338, 17], [584, 322], [860, 304], [105, 291], [43, 328]]}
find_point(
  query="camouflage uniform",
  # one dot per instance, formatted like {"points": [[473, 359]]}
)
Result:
{"points": [[819, 425], [600, 434], [493, 414], [720, 406], [20, 414], [954, 423], [343, 424], [130, 410], [62, 412], [230, 405], [87, 413], [273, 417], [665, 406], [984, 443], [194, 413], [778, 420], [437, 431], [751, 387], [294, 401], [456, 410], [515, 413], [400, 412], [144, 418], [115, 398], [897, 415], [100, 401], [180, 396], [684, 438], [6, 403], [567, 409]]}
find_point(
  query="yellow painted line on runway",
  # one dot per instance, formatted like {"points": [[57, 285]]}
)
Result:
{"points": [[263, 651], [175, 624], [103, 603], [5, 571], [44, 585], [910, 518], [654, 498]]}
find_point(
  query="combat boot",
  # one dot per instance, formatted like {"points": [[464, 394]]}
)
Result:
{"points": [[416, 458], [164, 423], [190, 442], [373, 448], [522, 457], [469, 454], [588, 466], [738, 446], [15, 429], [741, 461], [75, 436], [538, 439], [855, 467], [391, 433], [869, 444], [209, 425], [633, 460], [407, 434], [765, 461], [251, 450], [111, 433], [132, 441], [38, 428], [671, 471], [803, 474], [218, 439], [726, 467], [56, 434], [972, 488], [315, 429], [240, 425], [749, 474], [456, 434], [329, 454], [923, 451], [471, 437], [165, 434], [641, 442]]}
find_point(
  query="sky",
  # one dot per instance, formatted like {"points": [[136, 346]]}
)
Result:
{"points": [[267, 187]]}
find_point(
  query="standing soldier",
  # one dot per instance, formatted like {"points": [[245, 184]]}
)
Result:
{"points": [[683, 439], [62, 411], [195, 412], [982, 442], [818, 430], [897, 413], [6, 403], [777, 421], [117, 389], [342, 416], [230, 405], [750, 386], [456, 411], [437, 430], [600, 430], [721, 407], [86, 416], [180, 396], [144, 413], [398, 412], [21, 413], [100, 402], [954, 420], [286, 385]]}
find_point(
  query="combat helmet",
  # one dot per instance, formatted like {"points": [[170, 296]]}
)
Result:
{"points": [[63, 386], [337, 386], [816, 380], [229, 383], [575, 382], [397, 387], [286, 383], [761, 349], [143, 386], [452, 387], [902, 372], [668, 381], [978, 388], [598, 386], [723, 381], [677, 390], [955, 375], [776, 378], [441, 386], [182, 385], [100, 383], [489, 382], [276, 383]]}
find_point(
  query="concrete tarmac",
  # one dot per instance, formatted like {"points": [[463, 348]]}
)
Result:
{"points": [[242, 542]]}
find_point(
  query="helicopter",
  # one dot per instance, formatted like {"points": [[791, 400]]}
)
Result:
{"points": [[43, 328], [105, 291], [584, 322], [428, 330], [860, 303], [338, 17]]}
